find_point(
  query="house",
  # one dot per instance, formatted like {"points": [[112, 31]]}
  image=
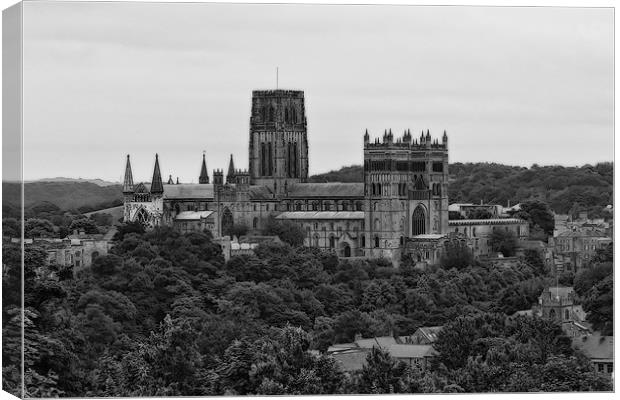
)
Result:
{"points": [[599, 349], [352, 356]]}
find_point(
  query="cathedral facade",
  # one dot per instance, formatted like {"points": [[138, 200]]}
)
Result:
{"points": [[400, 208]]}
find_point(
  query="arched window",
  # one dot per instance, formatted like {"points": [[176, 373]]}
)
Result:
{"points": [[286, 115], [347, 250], [316, 240], [473, 232], [255, 223], [315, 206], [332, 241], [358, 206], [418, 222], [376, 241], [345, 206], [227, 221], [94, 255], [298, 207], [552, 313], [566, 315], [402, 240], [377, 224], [272, 114], [363, 241]]}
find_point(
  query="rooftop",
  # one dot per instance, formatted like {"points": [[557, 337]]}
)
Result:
{"points": [[329, 190], [312, 215], [188, 191], [490, 221], [595, 346], [192, 215]]}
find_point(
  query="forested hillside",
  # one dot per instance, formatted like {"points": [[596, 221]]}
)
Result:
{"points": [[67, 196], [564, 189], [164, 315]]}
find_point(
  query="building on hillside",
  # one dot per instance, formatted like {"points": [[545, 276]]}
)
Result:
{"points": [[352, 356], [423, 335], [574, 249], [77, 250], [401, 208], [599, 349], [558, 303], [480, 231], [465, 210]]}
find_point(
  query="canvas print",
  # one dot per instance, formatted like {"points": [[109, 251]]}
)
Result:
{"points": [[205, 199]]}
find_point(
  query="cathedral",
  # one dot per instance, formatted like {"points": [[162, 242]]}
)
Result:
{"points": [[401, 208]]}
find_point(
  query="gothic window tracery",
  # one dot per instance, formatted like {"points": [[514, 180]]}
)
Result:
{"points": [[418, 226]]}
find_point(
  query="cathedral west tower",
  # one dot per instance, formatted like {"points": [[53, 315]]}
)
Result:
{"points": [[278, 139]]}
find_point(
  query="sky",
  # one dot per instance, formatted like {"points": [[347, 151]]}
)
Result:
{"points": [[511, 85]]}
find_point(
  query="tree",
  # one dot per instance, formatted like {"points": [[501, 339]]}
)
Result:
{"points": [[237, 230], [35, 227], [288, 231], [127, 228], [534, 258], [587, 278], [537, 214], [479, 213], [456, 255], [86, 225], [11, 227], [382, 374], [599, 305], [504, 242]]}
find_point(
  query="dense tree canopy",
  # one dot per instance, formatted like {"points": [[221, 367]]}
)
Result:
{"points": [[164, 314]]}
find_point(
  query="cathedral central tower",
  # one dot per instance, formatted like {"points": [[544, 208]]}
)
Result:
{"points": [[278, 139]]}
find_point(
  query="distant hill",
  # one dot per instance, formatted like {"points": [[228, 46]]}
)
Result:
{"points": [[98, 182], [353, 173], [66, 195], [565, 189]]}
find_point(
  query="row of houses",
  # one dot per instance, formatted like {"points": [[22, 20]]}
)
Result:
{"points": [[416, 350]]}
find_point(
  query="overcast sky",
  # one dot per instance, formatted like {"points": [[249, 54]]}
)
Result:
{"points": [[511, 85]]}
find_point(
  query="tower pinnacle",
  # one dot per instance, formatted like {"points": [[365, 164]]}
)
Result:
{"points": [[157, 186], [128, 182], [204, 176], [230, 176]]}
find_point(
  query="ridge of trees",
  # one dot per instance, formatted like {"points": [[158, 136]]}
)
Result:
{"points": [[567, 190]]}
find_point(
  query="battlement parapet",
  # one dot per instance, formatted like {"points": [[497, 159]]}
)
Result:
{"points": [[278, 93]]}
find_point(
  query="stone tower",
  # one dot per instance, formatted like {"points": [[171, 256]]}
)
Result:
{"points": [[405, 189], [278, 139]]}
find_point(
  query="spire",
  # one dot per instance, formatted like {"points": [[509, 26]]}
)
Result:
{"points": [[445, 137], [170, 181], [204, 176], [177, 180], [231, 171], [156, 184], [128, 183]]}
